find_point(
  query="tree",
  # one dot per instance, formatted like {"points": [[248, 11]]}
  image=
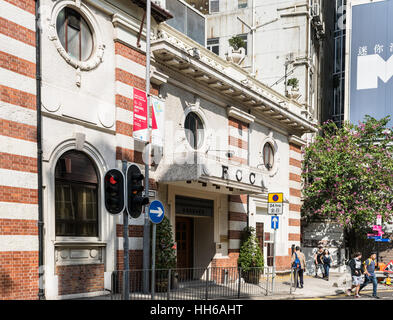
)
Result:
{"points": [[236, 42], [165, 246], [250, 255], [348, 174]]}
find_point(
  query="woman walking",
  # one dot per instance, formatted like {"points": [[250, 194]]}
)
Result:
{"points": [[327, 262]]}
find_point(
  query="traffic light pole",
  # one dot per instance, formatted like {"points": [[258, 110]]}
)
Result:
{"points": [[146, 227], [126, 283]]}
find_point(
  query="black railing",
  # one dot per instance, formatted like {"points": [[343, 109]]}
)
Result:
{"points": [[198, 283]]}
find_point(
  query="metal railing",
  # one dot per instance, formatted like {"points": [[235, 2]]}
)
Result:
{"points": [[200, 283]]}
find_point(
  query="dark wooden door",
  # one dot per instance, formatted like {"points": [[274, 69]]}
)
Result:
{"points": [[259, 234], [184, 243]]}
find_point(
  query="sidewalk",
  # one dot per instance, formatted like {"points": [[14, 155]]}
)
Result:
{"points": [[318, 287]]}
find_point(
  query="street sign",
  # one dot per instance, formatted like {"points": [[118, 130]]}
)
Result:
{"points": [[379, 220], [382, 240], [156, 211], [275, 222], [275, 203], [389, 267]]}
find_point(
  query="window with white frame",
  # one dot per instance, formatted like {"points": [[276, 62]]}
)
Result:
{"points": [[214, 6], [242, 4], [244, 37], [213, 45]]}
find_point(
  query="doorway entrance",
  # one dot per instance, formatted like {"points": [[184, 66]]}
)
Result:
{"points": [[184, 241]]}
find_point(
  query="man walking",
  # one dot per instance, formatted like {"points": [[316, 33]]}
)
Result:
{"points": [[318, 261], [369, 272], [298, 262], [356, 272]]}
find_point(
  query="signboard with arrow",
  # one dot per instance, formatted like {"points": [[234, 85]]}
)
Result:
{"points": [[156, 211]]}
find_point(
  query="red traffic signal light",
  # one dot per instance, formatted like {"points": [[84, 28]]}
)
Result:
{"points": [[135, 200], [114, 191]]}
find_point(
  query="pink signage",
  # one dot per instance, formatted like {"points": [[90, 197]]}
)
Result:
{"points": [[140, 115]]}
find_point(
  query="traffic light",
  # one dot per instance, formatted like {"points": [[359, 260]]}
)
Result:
{"points": [[135, 200], [114, 191]]}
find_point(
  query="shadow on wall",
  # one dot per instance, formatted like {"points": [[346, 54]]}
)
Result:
{"points": [[5, 284]]}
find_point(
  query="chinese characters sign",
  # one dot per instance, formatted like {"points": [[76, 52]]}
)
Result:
{"points": [[371, 68], [140, 130], [275, 203]]}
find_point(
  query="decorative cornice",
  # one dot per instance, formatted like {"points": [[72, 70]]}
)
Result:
{"points": [[240, 115]]}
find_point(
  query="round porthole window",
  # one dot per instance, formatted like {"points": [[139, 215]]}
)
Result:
{"points": [[268, 156], [194, 130], [74, 34]]}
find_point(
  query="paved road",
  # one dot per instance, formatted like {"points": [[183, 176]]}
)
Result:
{"points": [[386, 294]]}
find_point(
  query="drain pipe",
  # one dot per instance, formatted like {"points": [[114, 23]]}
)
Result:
{"points": [[41, 291]]}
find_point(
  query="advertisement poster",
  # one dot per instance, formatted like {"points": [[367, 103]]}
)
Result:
{"points": [[371, 68], [140, 130], [158, 122]]}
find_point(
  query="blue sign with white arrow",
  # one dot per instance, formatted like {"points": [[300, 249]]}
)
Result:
{"points": [[275, 220], [156, 211]]}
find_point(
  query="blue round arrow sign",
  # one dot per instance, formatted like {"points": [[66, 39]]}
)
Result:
{"points": [[156, 211]]}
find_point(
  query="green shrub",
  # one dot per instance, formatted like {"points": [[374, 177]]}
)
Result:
{"points": [[236, 42], [250, 255]]}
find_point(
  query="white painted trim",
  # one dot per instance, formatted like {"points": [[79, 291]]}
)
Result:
{"points": [[18, 243], [82, 295], [17, 48], [236, 225], [130, 66], [14, 210], [133, 243], [18, 146], [18, 179], [18, 114], [237, 207], [124, 89], [124, 115], [17, 15], [17, 81]]}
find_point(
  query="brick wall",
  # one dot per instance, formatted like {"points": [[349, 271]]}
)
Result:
{"points": [[18, 152], [75, 279]]}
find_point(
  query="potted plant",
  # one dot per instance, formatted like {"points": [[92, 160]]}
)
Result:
{"points": [[237, 50], [165, 254], [294, 84], [250, 257]]}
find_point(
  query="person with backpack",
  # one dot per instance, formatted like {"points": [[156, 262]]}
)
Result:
{"points": [[298, 262], [355, 264], [327, 262], [369, 274]]}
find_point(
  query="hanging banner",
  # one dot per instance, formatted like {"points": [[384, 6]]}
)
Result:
{"points": [[158, 122], [140, 130], [371, 64]]}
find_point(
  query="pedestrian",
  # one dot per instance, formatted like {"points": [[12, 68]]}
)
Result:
{"points": [[318, 261], [298, 262], [356, 272], [327, 262], [369, 274]]}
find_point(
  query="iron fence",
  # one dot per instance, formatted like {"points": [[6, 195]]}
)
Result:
{"points": [[200, 283]]}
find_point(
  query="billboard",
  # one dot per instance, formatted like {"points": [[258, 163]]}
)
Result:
{"points": [[371, 69]]}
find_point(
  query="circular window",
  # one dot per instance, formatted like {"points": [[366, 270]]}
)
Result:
{"points": [[194, 130], [268, 156], [74, 34]]}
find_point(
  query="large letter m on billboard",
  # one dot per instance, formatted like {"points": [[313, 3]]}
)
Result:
{"points": [[372, 67]]}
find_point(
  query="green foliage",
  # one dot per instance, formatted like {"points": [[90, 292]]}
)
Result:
{"points": [[165, 252], [348, 174], [236, 42], [293, 82], [250, 255]]}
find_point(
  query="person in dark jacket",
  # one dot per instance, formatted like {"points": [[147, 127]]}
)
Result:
{"points": [[355, 265], [327, 262]]}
